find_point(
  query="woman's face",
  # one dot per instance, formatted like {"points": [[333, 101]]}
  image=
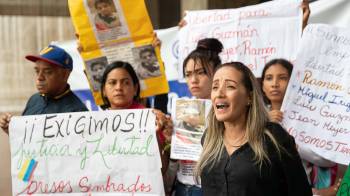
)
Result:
{"points": [[275, 83], [199, 83], [119, 89], [229, 96]]}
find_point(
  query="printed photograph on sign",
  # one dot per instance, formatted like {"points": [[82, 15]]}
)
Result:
{"points": [[107, 19], [147, 65], [95, 68], [190, 120]]}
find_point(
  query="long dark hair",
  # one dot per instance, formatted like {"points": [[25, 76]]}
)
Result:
{"points": [[119, 65], [206, 53], [285, 63]]}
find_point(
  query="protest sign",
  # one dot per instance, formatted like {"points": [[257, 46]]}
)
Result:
{"points": [[316, 106], [123, 32], [86, 152], [170, 51], [189, 116], [253, 35]]}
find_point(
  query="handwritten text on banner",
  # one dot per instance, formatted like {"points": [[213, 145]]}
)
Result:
{"points": [[253, 35], [317, 102], [87, 152]]}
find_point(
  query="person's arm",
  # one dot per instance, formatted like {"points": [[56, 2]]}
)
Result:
{"points": [[156, 41], [306, 12], [5, 121], [182, 22], [170, 176], [79, 46], [164, 132]]}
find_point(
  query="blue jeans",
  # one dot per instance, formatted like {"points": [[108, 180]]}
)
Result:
{"points": [[187, 190]]}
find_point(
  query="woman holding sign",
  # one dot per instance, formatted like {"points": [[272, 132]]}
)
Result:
{"points": [[243, 153], [274, 81], [198, 71], [120, 89]]}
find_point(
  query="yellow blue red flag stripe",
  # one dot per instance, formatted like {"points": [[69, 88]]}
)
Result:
{"points": [[27, 170]]}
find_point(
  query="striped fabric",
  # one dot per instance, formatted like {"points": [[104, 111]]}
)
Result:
{"points": [[27, 170]]}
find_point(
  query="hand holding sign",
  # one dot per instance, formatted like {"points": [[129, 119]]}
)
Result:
{"points": [[103, 150], [4, 122]]}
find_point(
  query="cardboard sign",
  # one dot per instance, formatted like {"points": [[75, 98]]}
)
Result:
{"points": [[86, 152], [252, 35], [123, 32], [316, 106]]}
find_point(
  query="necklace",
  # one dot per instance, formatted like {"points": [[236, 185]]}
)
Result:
{"points": [[237, 141], [235, 146]]}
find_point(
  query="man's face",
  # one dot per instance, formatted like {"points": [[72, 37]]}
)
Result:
{"points": [[50, 79], [97, 72], [147, 58]]}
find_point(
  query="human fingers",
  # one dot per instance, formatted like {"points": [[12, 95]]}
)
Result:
{"points": [[276, 116], [160, 116], [306, 12], [182, 23], [4, 121], [5, 118], [79, 47], [156, 41]]}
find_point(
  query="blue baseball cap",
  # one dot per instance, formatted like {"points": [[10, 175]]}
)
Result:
{"points": [[53, 55]]}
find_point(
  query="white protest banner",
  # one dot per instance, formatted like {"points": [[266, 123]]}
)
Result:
{"points": [[86, 152], [170, 51], [330, 12], [189, 116], [317, 102], [253, 35]]}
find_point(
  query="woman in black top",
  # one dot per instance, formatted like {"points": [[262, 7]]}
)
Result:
{"points": [[243, 153]]}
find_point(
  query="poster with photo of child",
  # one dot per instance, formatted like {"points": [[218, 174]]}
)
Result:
{"points": [[147, 65], [95, 68], [127, 37], [108, 20]]}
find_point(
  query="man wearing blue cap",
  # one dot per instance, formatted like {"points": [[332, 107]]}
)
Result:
{"points": [[52, 67]]}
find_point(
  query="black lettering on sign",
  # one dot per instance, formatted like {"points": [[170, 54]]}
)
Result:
{"points": [[77, 125], [127, 122], [47, 127], [116, 122]]}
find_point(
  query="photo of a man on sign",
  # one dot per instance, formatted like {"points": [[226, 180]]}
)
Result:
{"points": [[148, 66]]}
